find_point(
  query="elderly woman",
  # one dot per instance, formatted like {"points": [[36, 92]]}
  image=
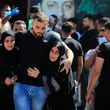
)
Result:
{"points": [[8, 69]]}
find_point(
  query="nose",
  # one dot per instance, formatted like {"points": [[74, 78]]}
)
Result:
{"points": [[60, 12]]}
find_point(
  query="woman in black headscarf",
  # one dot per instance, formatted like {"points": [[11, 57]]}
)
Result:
{"points": [[8, 69], [59, 98]]}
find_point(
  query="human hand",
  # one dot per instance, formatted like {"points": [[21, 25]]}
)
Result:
{"points": [[8, 81], [14, 79], [90, 97], [33, 72], [67, 65]]}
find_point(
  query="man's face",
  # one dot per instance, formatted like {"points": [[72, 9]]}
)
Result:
{"points": [[39, 28], [5, 10], [86, 23], [61, 8], [18, 27]]}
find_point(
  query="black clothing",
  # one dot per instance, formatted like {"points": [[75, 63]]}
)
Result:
{"points": [[5, 34], [77, 50], [33, 53], [89, 40], [61, 99], [103, 88], [8, 67], [75, 36]]}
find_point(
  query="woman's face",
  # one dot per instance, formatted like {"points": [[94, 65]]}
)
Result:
{"points": [[9, 43], [54, 54]]}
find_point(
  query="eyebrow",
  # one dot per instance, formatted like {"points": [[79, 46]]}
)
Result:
{"points": [[69, 2]]}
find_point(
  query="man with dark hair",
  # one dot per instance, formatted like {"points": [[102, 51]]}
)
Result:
{"points": [[101, 74], [76, 35], [88, 39], [34, 46], [77, 64], [32, 12]]}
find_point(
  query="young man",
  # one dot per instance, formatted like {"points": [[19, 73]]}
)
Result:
{"points": [[77, 65], [101, 74], [63, 9], [29, 93], [19, 25]]}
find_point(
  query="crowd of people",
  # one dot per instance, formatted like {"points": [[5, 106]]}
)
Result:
{"points": [[42, 63]]}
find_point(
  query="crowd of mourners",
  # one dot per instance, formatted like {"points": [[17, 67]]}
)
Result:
{"points": [[47, 65]]}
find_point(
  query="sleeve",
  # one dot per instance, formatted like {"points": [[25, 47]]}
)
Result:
{"points": [[102, 51], [80, 52], [89, 54]]}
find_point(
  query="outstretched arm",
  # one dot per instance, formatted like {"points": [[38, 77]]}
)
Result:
{"points": [[67, 62]]}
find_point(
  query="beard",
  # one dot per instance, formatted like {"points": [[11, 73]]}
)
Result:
{"points": [[86, 28], [38, 34]]}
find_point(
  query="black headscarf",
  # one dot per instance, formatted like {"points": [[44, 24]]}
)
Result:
{"points": [[5, 34], [3, 37]]}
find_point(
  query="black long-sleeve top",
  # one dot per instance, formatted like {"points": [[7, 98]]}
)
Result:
{"points": [[33, 53], [8, 63]]}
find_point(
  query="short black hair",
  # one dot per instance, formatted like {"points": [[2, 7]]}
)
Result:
{"points": [[67, 27], [73, 20], [55, 17], [90, 16], [103, 20], [34, 9], [107, 25]]}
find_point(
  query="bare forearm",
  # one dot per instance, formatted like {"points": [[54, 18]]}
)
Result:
{"points": [[80, 66], [4, 20], [88, 63], [92, 81]]}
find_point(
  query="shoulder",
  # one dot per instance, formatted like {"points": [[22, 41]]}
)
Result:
{"points": [[19, 33], [51, 35]]}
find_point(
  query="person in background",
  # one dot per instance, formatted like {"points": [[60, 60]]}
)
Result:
{"points": [[77, 64], [19, 25], [52, 22], [5, 14], [101, 74], [5, 24], [88, 39], [75, 35], [33, 11], [8, 69]]}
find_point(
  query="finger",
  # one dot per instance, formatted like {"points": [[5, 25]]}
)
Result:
{"points": [[62, 62], [62, 69], [30, 69], [29, 72], [35, 68], [67, 71]]}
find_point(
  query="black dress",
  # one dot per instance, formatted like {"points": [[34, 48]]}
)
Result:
{"points": [[8, 67], [61, 99]]}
